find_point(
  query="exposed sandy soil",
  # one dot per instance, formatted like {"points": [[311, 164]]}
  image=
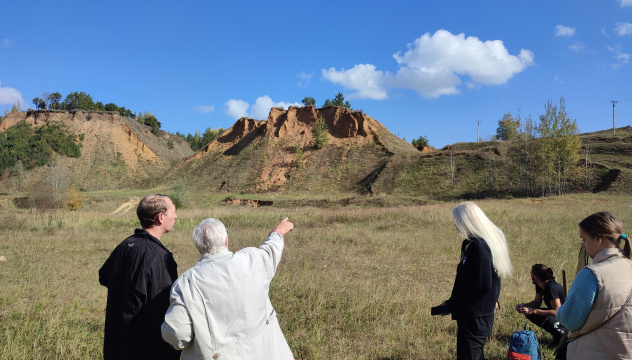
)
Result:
{"points": [[285, 129], [114, 149]]}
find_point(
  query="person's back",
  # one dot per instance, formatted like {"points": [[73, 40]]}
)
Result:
{"points": [[138, 275], [220, 307]]}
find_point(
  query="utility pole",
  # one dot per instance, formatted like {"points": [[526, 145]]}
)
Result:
{"points": [[613, 129], [478, 124]]}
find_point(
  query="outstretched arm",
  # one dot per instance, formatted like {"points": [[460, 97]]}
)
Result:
{"points": [[284, 227]]}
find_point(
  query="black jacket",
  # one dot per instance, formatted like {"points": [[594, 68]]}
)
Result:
{"points": [[138, 274], [477, 286]]}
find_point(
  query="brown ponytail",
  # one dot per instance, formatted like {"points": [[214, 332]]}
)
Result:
{"points": [[605, 225]]}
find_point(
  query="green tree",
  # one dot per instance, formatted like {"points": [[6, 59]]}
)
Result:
{"points": [[98, 106], [210, 135], [339, 100], [78, 101], [54, 101], [507, 128], [152, 121], [328, 103], [320, 133], [308, 101], [111, 107], [39, 103], [420, 143]]}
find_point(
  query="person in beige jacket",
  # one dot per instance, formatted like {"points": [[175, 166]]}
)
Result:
{"points": [[597, 310], [220, 308]]}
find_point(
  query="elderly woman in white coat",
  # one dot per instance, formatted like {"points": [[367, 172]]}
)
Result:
{"points": [[220, 308]]}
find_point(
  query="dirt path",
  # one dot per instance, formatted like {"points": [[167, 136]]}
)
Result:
{"points": [[130, 205]]}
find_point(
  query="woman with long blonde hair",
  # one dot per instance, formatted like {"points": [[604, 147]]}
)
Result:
{"points": [[484, 260]]}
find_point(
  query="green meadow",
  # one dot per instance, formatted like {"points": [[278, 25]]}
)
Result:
{"points": [[355, 282]]}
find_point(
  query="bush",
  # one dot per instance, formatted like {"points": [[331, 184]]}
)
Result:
{"points": [[320, 133], [420, 143], [75, 199]]}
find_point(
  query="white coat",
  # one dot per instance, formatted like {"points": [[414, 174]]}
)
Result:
{"points": [[220, 308]]}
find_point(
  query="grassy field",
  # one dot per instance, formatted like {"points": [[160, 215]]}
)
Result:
{"points": [[355, 282]]}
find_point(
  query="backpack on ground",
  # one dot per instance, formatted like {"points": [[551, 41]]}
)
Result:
{"points": [[524, 345]]}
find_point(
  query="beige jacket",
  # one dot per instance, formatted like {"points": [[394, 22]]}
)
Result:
{"points": [[220, 308], [612, 340]]}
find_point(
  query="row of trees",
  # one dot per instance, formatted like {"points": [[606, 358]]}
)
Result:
{"points": [[197, 141], [77, 100], [543, 155], [80, 100], [339, 100]]}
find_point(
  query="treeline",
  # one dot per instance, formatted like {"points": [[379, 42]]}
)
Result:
{"points": [[543, 155], [80, 100], [339, 100], [26, 147], [197, 141]]}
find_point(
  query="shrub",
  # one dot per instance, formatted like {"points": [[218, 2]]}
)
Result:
{"points": [[320, 133], [75, 199]]}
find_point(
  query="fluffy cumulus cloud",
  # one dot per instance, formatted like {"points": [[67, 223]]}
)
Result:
{"points": [[436, 65], [236, 108], [623, 29], [260, 110], [367, 81], [205, 109], [625, 3], [10, 96], [561, 30]]}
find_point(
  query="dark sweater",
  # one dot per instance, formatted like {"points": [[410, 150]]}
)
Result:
{"points": [[477, 286]]}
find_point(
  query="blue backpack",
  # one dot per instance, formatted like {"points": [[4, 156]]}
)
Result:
{"points": [[524, 345]]}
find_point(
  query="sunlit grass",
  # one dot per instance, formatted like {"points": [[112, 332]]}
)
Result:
{"points": [[354, 283]]}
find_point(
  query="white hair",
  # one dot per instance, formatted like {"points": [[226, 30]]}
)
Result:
{"points": [[472, 221], [210, 236]]}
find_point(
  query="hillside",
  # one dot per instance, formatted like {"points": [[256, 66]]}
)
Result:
{"points": [[279, 154], [115, 151]]}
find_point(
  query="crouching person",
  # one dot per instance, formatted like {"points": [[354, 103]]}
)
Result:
{"points": [[547, 289], [220, 307]]}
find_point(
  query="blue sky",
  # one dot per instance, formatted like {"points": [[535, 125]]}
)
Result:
{"points": [[431, 68]]}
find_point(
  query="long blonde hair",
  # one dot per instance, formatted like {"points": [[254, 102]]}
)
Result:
{"points": [[472, 221]]}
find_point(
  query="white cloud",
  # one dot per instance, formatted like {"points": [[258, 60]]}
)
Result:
{"points": [[561, 30], [204, 109], [304, 79], [6, 43], [624, 3], [10, 96], [263, 104], [434, 65], [623, 28], [621, 57], [576, 47], [260, 110], [236, 108], [558, 80], [363, 78]]}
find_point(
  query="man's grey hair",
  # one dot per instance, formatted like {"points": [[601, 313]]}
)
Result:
{"points": [[209, 236]]}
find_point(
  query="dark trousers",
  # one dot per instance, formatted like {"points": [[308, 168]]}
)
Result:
{"points": [[548, 324], [471, 336]]}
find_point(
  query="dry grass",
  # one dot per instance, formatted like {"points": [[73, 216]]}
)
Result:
{"points": [[354, 282]]}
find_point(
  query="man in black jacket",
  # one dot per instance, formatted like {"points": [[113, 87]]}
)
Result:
{"points": [[139, 274]]}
